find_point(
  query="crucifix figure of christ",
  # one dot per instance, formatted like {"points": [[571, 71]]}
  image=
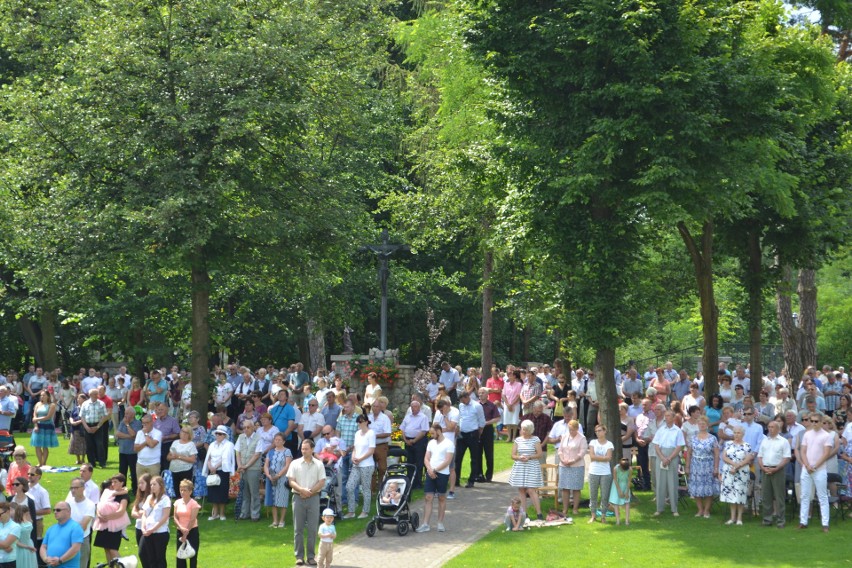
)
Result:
{"points": [[383, 252]]}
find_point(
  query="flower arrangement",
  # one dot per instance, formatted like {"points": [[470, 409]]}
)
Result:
{"points": [[386, 372], [396, 433]]}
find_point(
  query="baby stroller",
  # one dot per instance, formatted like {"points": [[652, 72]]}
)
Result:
{"points": [[392, 501], [328, 495], [7, 448]]}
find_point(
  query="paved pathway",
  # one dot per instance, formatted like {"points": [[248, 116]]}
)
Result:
{"points": [[470, 516]]}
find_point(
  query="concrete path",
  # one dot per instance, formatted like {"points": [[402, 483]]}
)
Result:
{"points": [[470, 516]]}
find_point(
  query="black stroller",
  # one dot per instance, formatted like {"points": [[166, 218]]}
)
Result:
{"points": [[329, 494], [393, 500]]}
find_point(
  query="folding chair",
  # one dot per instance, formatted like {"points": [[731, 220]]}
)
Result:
{"points": [[550, 476]]}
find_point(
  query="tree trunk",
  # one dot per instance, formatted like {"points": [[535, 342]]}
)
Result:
{"points": [[32, 337], [791, 336], [200, 333], [608, 399], [701, 254], [527, 336], [513, 328], [316, 344], [47, 319], [486, 345], [754, 288], [139, 358], [807, 315]]}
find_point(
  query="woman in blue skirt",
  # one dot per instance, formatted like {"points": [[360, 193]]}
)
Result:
{"points": [[44, 430]]}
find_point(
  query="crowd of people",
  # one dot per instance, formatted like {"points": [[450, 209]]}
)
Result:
{"points": [[272, 436]]}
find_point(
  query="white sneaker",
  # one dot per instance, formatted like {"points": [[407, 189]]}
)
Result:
{"points": [[423, 528], [222, 518], [213, 518], [440, 527]]}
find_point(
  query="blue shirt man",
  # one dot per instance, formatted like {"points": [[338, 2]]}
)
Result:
{"points": [[7, 409], [283, 414], [61, 544]]}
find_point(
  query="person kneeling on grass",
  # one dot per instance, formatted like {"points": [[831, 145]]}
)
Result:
{"points": [[515, 517]]}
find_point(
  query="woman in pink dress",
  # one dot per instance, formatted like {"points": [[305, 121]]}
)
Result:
{"points": [[512, 403]]}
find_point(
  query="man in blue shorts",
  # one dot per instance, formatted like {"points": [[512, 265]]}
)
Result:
{"points": [[439, 455]]}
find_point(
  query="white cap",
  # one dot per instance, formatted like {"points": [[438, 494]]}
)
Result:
{"points": [[328, 513]]}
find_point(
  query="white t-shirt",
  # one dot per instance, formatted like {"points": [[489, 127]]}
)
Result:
{"points": [[438, 452], [83, 509], [847, 432], [311, 422], [453, 415], [155, 513], [364, 442], [147, 455], [380, 425], [600, 450]]}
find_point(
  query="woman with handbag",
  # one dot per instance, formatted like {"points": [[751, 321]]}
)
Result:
{"points": [[186, 521], [220, 463]]}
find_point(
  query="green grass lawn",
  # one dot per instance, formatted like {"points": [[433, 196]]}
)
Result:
{"points": [[225, 544], [664, 541]]}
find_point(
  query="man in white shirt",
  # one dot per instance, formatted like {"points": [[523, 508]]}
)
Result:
{"points": [[91, 382], [83, 513], [740, 378], [381, 426], [90, 489], [447, 418], [41, 499], [147, 446], [414, 428], [667, 445], [311, 422], [772, 460], [449, 377]]}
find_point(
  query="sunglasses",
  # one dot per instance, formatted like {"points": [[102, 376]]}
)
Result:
{"points": [[60, 510], [16, 484]]}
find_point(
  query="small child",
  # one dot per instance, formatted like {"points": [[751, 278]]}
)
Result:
{"points": [[619, 495], [329, 453], [391, 496], [515, 517], [25, 551], [327, 533], [572, 401]]}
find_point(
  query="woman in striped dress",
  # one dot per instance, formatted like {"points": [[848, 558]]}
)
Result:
{"points": [[526, 469]]}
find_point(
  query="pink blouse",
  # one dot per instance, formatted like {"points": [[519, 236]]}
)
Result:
{"points": [[573, 449], [183, 512], [512, 391]]}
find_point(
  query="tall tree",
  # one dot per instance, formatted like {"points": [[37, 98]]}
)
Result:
{"points": [[202, 128]]}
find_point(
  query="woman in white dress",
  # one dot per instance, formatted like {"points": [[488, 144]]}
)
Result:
{"points": [[526, 469]]}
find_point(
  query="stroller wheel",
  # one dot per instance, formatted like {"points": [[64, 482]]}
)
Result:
{"points": [[371, 528], [402, 528], [380, 525], [415, 520]]}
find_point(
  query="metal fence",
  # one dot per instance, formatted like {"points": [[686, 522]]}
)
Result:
{"points": [[689, 358]]}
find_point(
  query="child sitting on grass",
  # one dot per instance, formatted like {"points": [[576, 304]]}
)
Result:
{"points": [[515, 517]]}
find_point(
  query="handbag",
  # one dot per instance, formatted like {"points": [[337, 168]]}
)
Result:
{"points": [[213, 480], [185, 551]]}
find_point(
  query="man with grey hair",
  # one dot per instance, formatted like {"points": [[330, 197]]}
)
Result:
{"points": [[125, 434], [542, 424]]}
